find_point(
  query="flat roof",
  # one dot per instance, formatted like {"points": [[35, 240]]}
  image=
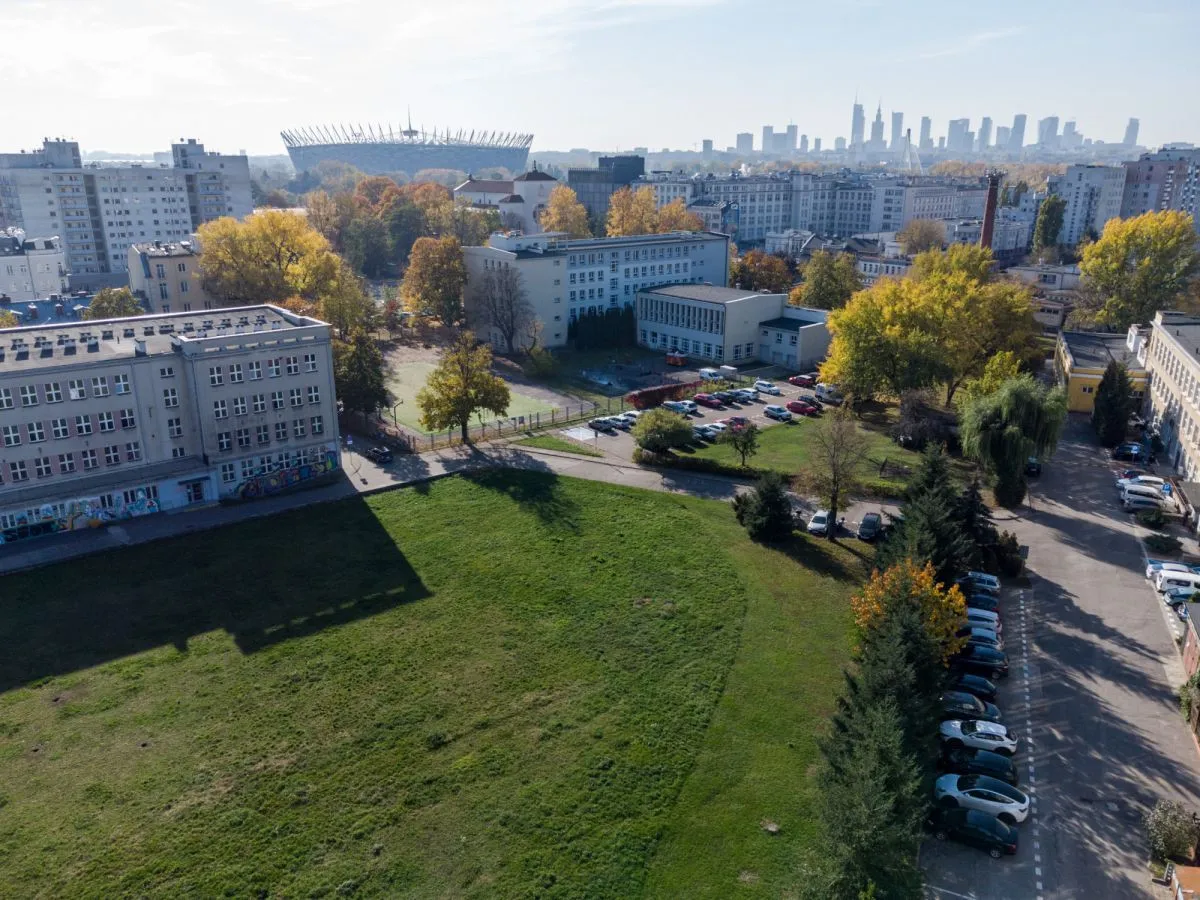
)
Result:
{"points": [[183, 248], [1094, 350], [789, 323], [706, 292]]}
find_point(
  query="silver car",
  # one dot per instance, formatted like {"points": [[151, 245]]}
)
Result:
{"points": [[990, 795], [978, 735]]}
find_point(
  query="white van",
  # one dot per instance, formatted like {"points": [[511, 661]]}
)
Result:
{"points": [[1133, 504], [710, 374], [1144, 480], [1141, 490], [1164, 581], [828, 393]]}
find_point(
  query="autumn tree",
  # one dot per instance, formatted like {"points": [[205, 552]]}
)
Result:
{"points": [[345, 305], [1001, 367], [632, 212], [742, 441], [920, 235], [433, 284], [1049, 223], [758, 271], [829, 282], [8, 319], [969, 260], [564, 212], [114, 303], [366, 245], [659, 430], [500, 301], [1140, 265], [461, 385], [358, 374], [330, 214], [839, 450], [675, 217], [942, 608]]}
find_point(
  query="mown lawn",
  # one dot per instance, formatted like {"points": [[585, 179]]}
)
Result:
{"points": [[506, 686], [553, 442]]}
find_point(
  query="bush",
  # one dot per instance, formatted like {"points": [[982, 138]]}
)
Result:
{"points": [[540, 363], [695, 464], [920, 423], [882, 489], [1151, 518], [1172, 830], [766, 512], [1008, 555], [660, 430], [1163, 543], [648, 398]]}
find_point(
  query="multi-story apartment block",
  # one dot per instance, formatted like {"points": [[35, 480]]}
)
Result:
{"points": [[100, 211], [1093, 195], [763, 201], [1174, 397], [108, 419], [564, 279], [1166, 179], [165, 277], [32, 269]]}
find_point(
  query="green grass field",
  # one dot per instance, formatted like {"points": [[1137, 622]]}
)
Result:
{"points": [[506, 686], [553, 442], [405, 380]]}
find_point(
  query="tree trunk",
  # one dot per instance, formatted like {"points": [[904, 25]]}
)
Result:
{"points": [[463, 426], [831, 528]]}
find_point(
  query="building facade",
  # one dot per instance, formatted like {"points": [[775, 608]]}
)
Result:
{"points": [[594, 187], [100, 211], [165, 277], [32, 269], [1174, 397], [110, 419], [564, 279], [1093, 195], [1165, 179], [1082, 356]]}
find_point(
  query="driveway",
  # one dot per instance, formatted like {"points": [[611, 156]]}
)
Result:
{"points": [[1093, 690]]}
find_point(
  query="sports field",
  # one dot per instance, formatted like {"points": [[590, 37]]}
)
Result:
{"points": [[405, 379]]}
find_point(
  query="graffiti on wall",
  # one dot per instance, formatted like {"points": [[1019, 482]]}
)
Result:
{"points": [[267, 483], [76, 515]]}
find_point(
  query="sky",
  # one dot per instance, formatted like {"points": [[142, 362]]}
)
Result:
{"points": [[134, 75]]}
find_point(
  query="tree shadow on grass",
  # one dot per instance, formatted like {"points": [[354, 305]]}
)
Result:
{"points": [[534, 487], [816, 555]]}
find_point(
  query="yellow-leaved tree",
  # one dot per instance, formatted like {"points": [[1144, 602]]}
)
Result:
{"points": [[435, 279], [942, 609], [675, 217], [564, 212], [461, 385], [632, 212], [114, 303]]}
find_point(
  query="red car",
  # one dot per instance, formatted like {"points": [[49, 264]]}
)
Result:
{"points": [[801, 408], [803, 380], [708, 400], [737, 421]]}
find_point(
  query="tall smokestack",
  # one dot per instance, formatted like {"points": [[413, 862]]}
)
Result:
{"points": [[989, 209]]}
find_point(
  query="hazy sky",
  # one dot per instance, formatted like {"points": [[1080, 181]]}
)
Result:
{"points": [[132, 75]]}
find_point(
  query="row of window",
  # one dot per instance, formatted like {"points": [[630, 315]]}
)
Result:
{"points": [[51, 391], [262, 433], [35, 432], [258, 401], [254, 370], [263, 465], [59, 510], [43, 466]]}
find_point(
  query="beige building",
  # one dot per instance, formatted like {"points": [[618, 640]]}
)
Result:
{"points": [[109, 419], [1173, 365], [165, 276]]}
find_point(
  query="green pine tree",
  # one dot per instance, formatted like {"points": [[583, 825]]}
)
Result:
{"points": [[975, 520], [1114, 405]]}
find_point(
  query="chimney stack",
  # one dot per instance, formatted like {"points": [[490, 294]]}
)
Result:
{"points": [[989, 209]]}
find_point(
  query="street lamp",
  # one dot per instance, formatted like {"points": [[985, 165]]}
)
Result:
{"points": [[394, 405]]}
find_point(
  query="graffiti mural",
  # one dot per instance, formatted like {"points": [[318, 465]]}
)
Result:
{"points": [[268, 483], [76, 515]]}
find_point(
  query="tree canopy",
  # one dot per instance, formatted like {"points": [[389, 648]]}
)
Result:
{"points": [[920, 235], [501, 302], [1113, 405], [758, 271], [358, 374], [675, 217], [435, 280], [1049, 222], [564, 212], [8, 319], [461, 385], [113, 303], [632, 212], [829, 282]]}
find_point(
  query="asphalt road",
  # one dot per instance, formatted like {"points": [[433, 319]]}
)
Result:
{"points": [[1093, 689]]}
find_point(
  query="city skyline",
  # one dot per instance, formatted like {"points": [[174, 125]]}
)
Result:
{"points": [[236, 74]]}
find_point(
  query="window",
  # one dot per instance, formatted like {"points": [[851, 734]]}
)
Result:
{"points": [[16, 471], [166, 372], [76, 389], [89, 459], [239, 406], [66, 463], [235, 373], [121, 383], [225, 441], [281, 431], [83, 425], [175, 428], [215, 378], [263, 434], [310, 361], [299, 428], [220, 411], [133, 451], [243, 437], [29, 395], [273, 368], [293, 365], [100, 386], [255, 369], [12, 435], [277, 400], [41, 467], [6, 400], [314, 393], [112, 455], [53, 392], [260, 402], [37, 433], [247, 468], [104, 421], [178, 452], [228, 473], [318, 425], [128, 418], [170, 397], [58, 427], [296, 396]]}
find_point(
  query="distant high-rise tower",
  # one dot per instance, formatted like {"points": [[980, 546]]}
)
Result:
{"points": [[745, 142], [985, 133], [707, 146], [1131, 132], [791, 138], [926, 142], [768, 139], [956, 136], [1048, 132], [877, 130], [816, 145], [858, 125], [1016, 137], [897, 142], [1003, 136], [804, 143]]}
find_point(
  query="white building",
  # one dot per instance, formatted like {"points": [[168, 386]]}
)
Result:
{"points": [[791, 243], [1046, 277], [165, 276], [32, 269], [564, 279], [730, 325], [1174, 395], [100, 211], [1093, 195], [872, 268], [483, 191], [1007, 237], [108, 419]]}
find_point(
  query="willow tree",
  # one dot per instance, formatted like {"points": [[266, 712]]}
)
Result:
{"points": [[1003, 429]]}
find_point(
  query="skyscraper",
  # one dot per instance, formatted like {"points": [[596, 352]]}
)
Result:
{"points": [[1003, 137], [877, 142], [897, 142], [1048, 132], [804, 143], [839, 144], [926, 141], [817, 145], [768, 139], [791, 138], [1131, 133], [985, 133], [1016, 138], [956, 136], [745, 142], [707, 150], [858, 126]]}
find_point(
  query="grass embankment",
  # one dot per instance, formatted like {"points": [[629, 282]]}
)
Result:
{"points": [[563, 445], [507, 686]]}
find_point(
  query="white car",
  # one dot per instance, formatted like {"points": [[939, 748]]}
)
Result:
{"points": [[978, 735], [1153, 568], [718, 426], [983, 618], [679, 406], [632, 415], [766, 387], [819, 523], [1146, 480], [990, 795], [989, 581]]}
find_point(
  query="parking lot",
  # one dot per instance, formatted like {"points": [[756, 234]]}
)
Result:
{"points": [[1092, 691]]}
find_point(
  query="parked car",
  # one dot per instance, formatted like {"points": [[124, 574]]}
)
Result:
{"points": [[828, 393], [964, 761], [984, 618], [982, 792], [961, 705], [631, 415], [620, 422], [1130, 452], [724, 396], [813, 400], [801, 408], [983, 601], [803, 380], [380, 455], [969, 587], [974, 684], [766, 387], [718, 427], [703, 433], [981, 635], [708, 400], [819, 523], [985, 661], [1129, 473], [737, 421], [745, 395], [991, 582], [1033, 467], [978, 735], [975, 828], [1179, 596], [1154, 566], [777, 412], [868, 528], [601, 424], [675, 406], [1145, 480]]}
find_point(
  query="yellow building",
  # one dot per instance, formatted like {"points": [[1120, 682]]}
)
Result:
{"points": [[1082, 356]]}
